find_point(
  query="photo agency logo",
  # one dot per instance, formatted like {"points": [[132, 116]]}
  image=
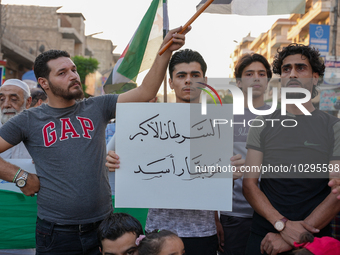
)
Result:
{"points": [[238, 104], [204, 106]]}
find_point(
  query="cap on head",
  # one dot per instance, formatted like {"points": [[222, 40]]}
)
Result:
{"points": [[18, 83]]}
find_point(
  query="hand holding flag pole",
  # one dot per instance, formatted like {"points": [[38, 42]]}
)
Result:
{"points": [[192, 19]]}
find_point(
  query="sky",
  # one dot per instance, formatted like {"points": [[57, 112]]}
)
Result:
{"points": [[213, 35]]}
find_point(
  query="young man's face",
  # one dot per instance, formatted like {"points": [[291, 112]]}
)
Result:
{"points": [[184, 82], [64, 79], [254, 76], [124, 245], [296, 71]]}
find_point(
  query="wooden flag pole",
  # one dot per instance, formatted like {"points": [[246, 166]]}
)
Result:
{"points": [[192, 19]]}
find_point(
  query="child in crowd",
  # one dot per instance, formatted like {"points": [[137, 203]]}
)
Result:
{"points": [[117, 234], [162, 242], [310, 245]]}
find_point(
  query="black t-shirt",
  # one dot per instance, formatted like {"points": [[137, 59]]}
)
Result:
{"points": [[312, 143]]}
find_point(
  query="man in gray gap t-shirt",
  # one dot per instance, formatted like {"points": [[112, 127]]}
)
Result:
{"points": [[251, 71], [66, 139]]}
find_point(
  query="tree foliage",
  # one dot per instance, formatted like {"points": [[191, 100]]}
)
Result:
{"points": [[227, 99]]}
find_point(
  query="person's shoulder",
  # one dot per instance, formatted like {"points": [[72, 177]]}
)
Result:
{"points": [[330, 118], [99, 100], [273, 115], [103, 97], [36, 110], [266, 106]]}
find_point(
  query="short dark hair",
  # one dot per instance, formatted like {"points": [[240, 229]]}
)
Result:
{"points": [[41, 69], [186, 56], [249, 58], [153, 242], [36, 94], [116, 225], [312, 54]]}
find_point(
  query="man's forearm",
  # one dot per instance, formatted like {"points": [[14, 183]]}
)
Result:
{"points": [[260, 203], [328, 208], [256, 198], [7, 170], [155, 76], [216, 216], [324, 212]]}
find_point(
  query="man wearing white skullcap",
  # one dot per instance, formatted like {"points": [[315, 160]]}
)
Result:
{"points": [[15, 96]]}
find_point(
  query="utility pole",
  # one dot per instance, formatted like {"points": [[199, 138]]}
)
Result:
{"points": [[165, 31], [0, 29], [334, 10]]}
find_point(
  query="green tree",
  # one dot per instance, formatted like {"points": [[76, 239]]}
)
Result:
{"points": [[227, 99], [85, 66]]}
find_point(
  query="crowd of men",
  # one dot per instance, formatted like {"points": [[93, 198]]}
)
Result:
{"points": [[64, 135]]}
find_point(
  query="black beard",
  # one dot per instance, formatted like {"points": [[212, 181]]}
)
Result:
{"points": [[65, 93]]}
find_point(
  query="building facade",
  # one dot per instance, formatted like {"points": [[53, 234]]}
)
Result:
{"points": [[295, 29], [30, 30]]}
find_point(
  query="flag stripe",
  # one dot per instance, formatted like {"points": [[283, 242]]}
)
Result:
{"points": [[134, 56], [17, 210], [18, 216], [258, 7], [276, 7], [142, 49]]}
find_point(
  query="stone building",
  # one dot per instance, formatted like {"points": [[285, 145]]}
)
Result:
{"points": [[295, 29], [30, 30]]}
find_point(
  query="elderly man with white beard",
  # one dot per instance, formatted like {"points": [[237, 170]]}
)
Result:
{"points": [[15, 97]]}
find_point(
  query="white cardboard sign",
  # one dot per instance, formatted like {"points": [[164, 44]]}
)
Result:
{"points": [[166, 151]]}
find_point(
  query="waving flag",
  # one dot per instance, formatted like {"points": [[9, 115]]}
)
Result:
{"points": [[258, 7], [142, 49]]}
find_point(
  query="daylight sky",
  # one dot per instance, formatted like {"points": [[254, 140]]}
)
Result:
{"points": [[213, 35]]}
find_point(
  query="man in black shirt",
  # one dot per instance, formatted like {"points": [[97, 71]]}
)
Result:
{"points": [[284, 206]]}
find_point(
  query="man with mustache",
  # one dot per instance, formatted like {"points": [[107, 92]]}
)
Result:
{"points": [[293, 201], [15, 97], [66, 139]]}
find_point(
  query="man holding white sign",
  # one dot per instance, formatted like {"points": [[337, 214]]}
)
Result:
{"points": [[197, 228], [293, 196], [66, 141], [251, 71]]}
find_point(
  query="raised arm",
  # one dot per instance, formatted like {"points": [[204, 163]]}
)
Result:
{"points": [[153, 80]]}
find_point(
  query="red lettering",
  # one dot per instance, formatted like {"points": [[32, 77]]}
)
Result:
{"points": [[87, 126], [67, 127], [53, 135]]}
